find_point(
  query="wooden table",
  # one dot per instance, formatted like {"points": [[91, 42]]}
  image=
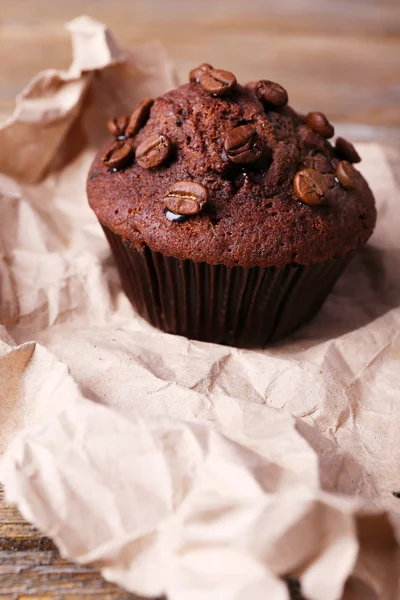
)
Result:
{"points": [[31, 567], [338, 56]]}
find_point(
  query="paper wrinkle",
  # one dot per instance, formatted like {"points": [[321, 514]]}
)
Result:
{"points": [[93, 46], [221, 499], [176, 466]]}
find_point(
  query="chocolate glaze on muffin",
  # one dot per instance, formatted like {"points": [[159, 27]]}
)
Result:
{"points": [[223, 204]]}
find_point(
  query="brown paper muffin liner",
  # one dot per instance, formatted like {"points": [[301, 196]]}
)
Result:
{"points": [[235, 306]]}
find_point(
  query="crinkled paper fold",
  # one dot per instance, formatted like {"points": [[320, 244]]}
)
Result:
{"points": [[195, 470]]}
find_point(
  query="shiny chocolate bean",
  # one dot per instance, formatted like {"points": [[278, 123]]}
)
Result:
{"points": [[117, 126], [195, 74], [271, 93], [118, 155], [139, 116], [347, 175], [310, 186], [185, 198], [153, 151], [320, 124], [242, 145], [218, 82], [347, 150]]}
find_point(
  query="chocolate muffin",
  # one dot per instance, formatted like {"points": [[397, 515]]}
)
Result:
{"points": [[230, 215]]}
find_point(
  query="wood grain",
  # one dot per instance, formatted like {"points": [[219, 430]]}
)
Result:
{"points": [[338, 56], [31, 566]]}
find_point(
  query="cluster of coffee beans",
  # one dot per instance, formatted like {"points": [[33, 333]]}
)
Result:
{"points": [[309, 184], [152, 152], [242, 145]]}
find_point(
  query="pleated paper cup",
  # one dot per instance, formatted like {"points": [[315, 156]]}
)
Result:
{"points": [[226, 305]]}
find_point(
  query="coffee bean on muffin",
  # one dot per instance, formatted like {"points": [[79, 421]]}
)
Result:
{"points": [[310, 186], [218, 82], [118, 155], [320, 124], [347, 175], [271, 93], [139, 116], [195, 74], [117, 126], [186, 198], [242, 145], [153, 151], [347, 151]]}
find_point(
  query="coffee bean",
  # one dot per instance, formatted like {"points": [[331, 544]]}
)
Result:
{"points": [[113, 127], [186, 198], [271, 93], [348, 176], [117, 126], [307, 137], [218, 82], [153, 151], [118, 155], [195, 74], [347, 150], [320, 124], [310, 186], [139, 117], [173, 217], [242, 145]]}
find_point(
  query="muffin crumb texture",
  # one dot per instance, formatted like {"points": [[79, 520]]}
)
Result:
{"points": [[224, 174]]}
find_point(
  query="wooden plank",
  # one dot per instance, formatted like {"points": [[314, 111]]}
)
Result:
{"points": [[339, 57], [31, 566], [359, 16]]}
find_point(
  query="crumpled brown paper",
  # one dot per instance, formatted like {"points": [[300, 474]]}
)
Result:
{"points": [[180, 467]]}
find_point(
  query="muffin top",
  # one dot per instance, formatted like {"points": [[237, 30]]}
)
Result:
{"points": [[224, 174]]}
